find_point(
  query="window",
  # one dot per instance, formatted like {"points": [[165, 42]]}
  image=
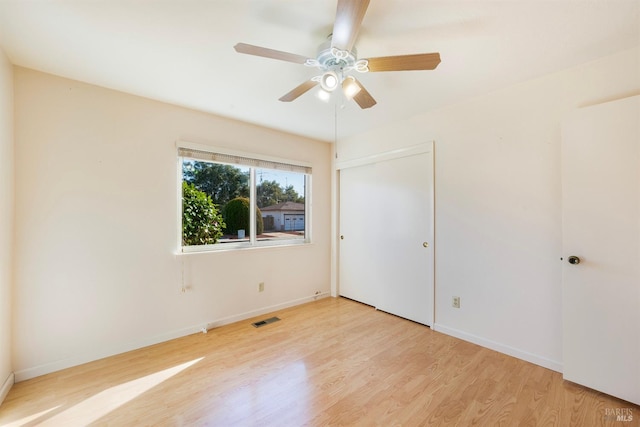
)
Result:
{"points": [[231, 200]]}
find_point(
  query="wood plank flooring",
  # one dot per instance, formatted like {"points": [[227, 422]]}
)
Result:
{"points": [[329, 362]]}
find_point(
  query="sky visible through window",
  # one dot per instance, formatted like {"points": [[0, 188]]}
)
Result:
{"points": [[283, 178]]}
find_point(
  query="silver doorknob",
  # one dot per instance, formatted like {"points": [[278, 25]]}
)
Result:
{"points": [[425, 244], [573, 260]]}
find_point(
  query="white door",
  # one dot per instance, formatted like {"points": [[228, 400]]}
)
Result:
{"points": [[406, 209], [386, 219], [357, 272], [601, 227]]}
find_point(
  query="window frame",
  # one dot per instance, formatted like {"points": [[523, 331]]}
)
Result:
{"points": [[257, 161]]}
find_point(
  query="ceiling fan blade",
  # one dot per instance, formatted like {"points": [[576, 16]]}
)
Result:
{"points": [[250, 49], [299, 90], [363, 97], [349, 17], [420, 61]]}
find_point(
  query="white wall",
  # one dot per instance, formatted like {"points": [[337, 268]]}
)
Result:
{"points": [[498, 203], [6, 220], [96, 226]]}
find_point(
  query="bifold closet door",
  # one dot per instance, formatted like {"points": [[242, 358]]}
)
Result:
{"points": [[386, 227]]}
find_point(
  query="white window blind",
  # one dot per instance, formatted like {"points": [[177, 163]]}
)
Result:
{"points": [[211, 156]]}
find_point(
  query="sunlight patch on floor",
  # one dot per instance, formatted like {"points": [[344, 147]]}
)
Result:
{"points": [[28, 419], [99, 405]]}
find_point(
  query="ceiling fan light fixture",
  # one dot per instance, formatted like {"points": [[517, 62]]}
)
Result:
{"points": [[329, 81], [350, 87]]}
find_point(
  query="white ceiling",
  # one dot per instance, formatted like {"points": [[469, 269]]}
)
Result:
{"points": [[181, 51]]}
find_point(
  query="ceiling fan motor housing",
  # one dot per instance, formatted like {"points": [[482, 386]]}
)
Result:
{"points": [[335, 63], [332, 59]]}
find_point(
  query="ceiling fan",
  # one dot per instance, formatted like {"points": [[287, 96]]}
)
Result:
{"points": [[337, 57]]}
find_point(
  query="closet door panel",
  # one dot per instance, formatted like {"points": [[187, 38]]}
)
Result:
{"points": [[386, 235]]}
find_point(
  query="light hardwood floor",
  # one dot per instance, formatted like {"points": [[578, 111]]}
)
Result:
{"points": [[329, 362]]}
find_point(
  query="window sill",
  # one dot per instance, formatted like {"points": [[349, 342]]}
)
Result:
{"points": [[239, 247]]}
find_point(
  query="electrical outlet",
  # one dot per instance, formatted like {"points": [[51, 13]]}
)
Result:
{"points": [[261, 287], [456, 302]]}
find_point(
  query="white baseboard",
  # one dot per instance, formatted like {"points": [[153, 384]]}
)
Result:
{"points": [[47, 368], [6, 386], [501, 348], [264, 310]]}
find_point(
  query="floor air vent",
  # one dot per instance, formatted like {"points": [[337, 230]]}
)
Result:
{"points": [[265, 322]]}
